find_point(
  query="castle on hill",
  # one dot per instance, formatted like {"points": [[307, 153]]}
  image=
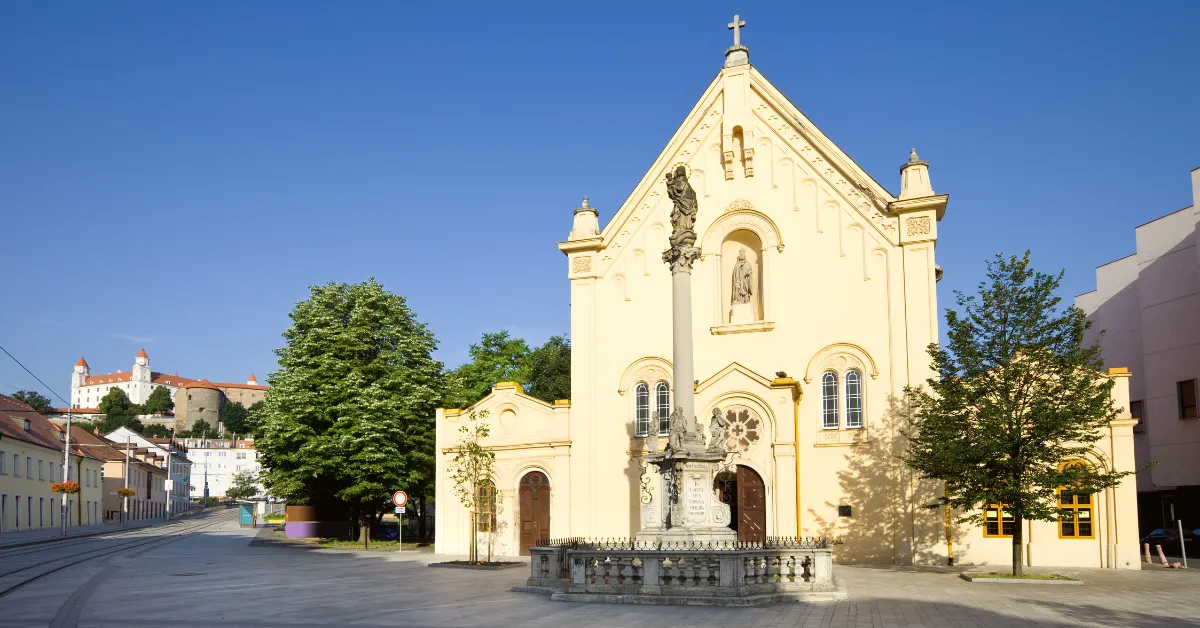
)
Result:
{"points": [[202, 400]]}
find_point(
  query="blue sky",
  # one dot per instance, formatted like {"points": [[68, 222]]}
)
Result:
{"points": [[174, 176]]}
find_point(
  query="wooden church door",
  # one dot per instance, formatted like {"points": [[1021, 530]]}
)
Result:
{"points": [[535, 510], [751, 505]]}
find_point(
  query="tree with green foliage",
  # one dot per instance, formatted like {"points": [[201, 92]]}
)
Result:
{"points": [[35, 399], [118, 411], [349, 416], [544, 372], [253, 413], [497, 358], [159, 401], [245, 486], [200, 429], [235, 418], [1017, 396], [473, 473], [548, 370], [156, 430]]}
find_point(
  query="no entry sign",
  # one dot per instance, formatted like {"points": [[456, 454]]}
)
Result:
{"points": [[400, 498]]}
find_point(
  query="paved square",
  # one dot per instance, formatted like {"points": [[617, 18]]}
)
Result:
{"points": [[221, 577]]}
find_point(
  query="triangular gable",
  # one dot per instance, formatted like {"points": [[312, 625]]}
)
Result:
{"points": [[788, 126]]}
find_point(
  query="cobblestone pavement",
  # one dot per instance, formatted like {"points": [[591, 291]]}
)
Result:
{"points": [[220, 578]]}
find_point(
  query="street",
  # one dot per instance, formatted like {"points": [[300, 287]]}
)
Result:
{"points": [[209, 572]]}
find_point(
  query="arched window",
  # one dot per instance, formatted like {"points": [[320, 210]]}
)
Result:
{"points": [[641, 414], [854, 399], [662, 404], [829, 400], [1074, 511], [485, 506]]}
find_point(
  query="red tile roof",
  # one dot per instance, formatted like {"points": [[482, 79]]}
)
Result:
{"points": [[242, 386], [162, 379], [142, 354], [204, 383], [81, 362], [73, 411], [42, 432]]}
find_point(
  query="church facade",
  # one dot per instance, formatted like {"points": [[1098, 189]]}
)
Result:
{"points": [[812, 304]]}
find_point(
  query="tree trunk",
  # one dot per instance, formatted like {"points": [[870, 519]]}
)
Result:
{"points": [[365, 532], [474, 538], [1018, 526]]}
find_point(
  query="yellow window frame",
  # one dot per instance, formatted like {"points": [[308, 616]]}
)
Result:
{"points": [[995, 521], [1075, 511]]}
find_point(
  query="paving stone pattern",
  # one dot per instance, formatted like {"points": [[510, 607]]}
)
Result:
{"points": [[220, 578]]}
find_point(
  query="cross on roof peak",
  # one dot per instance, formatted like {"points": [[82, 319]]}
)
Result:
{"points": [[736, 26], [737, 54]]}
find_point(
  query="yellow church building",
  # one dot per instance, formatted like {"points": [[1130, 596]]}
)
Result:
{"points": [[812, 303]]}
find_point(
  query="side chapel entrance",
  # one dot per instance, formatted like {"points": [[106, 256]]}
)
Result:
{"points": [[746, 494], [535, 509]]}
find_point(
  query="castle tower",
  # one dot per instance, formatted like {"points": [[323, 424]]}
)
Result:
{"points": [[78, 380], [252, 381], [140, 387]]}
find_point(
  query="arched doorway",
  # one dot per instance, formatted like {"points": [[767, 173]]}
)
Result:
{"points": [[746, 494], [535, 509]]}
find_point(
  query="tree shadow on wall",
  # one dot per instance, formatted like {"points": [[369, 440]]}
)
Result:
{"points": [[890, 521]]}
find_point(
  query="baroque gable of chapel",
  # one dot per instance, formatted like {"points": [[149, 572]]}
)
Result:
{"points": [[743, 127]]}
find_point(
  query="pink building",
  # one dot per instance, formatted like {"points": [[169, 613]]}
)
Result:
{"points": [[1149, 305]]}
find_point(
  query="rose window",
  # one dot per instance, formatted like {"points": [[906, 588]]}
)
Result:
{"points": [[743, 429]]}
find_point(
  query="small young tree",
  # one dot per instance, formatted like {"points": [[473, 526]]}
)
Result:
{"points": [[1016, 396], [472, 470], [245, 486]]}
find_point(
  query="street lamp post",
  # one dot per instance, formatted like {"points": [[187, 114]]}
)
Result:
{"points": [[125, 498]]}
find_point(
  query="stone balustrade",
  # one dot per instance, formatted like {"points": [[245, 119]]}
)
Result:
{"points": [[720, 573]]}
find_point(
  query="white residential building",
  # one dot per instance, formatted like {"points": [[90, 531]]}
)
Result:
{"points": [[218, 461], [179, 467]]}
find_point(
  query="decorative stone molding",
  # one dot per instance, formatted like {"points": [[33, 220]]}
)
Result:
{"points": [[736, 217], [744, 328], [854, 354], [728, 159], [740, 203], [649, 369], [917, 226], [581, 264], [748, 155]]}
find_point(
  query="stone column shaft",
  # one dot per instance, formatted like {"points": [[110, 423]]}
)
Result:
{"points": [[681, 344]]}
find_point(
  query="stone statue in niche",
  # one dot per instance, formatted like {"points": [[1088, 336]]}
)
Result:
{"points": [[741, 293], [743, 279], [716, 431]]}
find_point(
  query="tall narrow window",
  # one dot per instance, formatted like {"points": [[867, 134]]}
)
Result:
{"points": [[829, 400], [1074, 512], [641, 415], [854, 399], [1187, 398], [662, 404]]}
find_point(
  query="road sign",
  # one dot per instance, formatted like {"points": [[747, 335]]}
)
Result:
{"points": [[400, 498], [399, 510]]}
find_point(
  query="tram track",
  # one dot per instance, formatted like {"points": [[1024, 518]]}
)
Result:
{"points": [[49, 566]]}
